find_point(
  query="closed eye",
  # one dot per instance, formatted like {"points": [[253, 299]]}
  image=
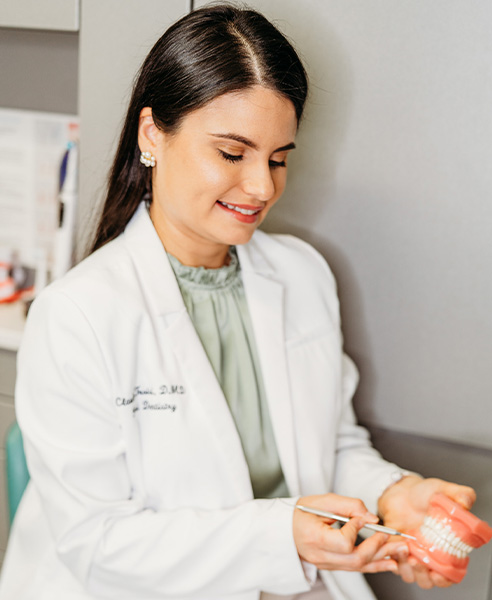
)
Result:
{"points": [[233, 158], [275, 163]]}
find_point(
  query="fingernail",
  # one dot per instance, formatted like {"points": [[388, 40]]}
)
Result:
{"points": [[465, 501], [371, 518], [402, 551]]}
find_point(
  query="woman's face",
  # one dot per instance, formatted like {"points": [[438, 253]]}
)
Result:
{"points": [[216, 178]]}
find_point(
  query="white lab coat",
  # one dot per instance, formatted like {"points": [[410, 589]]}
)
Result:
{"points": [[140, 489]]}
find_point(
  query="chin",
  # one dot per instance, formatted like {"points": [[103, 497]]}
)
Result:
{"points": [[239, 238]]}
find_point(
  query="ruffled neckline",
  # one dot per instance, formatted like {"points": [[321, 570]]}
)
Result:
{"points": [[203, 277]]}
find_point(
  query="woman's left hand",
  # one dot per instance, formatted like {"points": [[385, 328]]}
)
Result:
{"points": [[404, 505]]}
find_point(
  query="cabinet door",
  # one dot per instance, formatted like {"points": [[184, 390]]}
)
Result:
{"points": [[58, 15], [115, 37]]}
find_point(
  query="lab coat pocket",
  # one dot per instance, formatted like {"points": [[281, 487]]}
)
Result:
{"points": [[323, 330]]}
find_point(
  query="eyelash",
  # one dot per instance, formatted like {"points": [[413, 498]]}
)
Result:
{"points": [[235, 158]]}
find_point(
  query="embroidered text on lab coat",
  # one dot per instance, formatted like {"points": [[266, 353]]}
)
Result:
{"points": [[139, 390]]}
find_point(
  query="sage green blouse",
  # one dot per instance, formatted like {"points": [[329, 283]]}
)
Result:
{"points": [[216, 303]]}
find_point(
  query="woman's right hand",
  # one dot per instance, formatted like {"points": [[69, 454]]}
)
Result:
{"points": [[334, 549]]}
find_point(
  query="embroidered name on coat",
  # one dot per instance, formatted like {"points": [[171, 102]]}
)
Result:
{"points": [[145, 393]]}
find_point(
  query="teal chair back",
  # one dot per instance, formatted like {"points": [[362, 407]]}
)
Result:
{"points": [[17, 473]]}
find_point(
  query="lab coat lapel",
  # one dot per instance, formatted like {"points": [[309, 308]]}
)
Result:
{"points": [[166, 304], [265, 298], [202, 380]]}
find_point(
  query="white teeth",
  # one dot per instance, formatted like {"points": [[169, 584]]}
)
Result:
{"points": [[243, 211], [444, 538]]}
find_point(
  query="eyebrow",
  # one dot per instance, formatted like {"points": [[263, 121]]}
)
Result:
{"points": [[250, 143]]}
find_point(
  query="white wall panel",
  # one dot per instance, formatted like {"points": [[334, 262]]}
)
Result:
{"points": [[59, 15], [392, 182]]}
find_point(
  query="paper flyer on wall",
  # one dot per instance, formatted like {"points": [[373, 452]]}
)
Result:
{"points": [[32, 150]]}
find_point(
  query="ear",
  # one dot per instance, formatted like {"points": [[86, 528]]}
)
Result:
{"points": [[148, 133]]}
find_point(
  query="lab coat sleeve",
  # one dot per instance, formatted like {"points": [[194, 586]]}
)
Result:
{"points": [[360, 470], [115, 545]]}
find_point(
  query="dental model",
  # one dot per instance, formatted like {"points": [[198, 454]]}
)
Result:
{"points": [[447, 536]]}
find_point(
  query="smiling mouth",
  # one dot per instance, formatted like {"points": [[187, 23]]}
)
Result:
{"points": [[242, 211]]}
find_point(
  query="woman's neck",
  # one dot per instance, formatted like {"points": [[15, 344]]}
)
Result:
{"points": [[190, 252]]}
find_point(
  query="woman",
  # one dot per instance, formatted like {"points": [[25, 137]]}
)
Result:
{"points": [[182, 387]]}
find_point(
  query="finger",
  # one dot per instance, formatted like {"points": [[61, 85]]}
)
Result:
{"points": [[392, 549], [348, 535], [462, 494], [357, 557], [405, 570], [424, 578], [439, 580], [381, 566], [346, 506], [371, 548], [428, 579], [342, 541], [421, 573], [411, 571]]}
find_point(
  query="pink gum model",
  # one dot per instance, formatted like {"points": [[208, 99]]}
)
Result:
{"points": [[447, 536]]}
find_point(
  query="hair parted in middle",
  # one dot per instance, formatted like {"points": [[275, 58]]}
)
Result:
{"points": [[211, 51]]}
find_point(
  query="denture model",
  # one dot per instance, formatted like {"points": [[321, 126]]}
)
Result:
{"points": [[447, 536]]}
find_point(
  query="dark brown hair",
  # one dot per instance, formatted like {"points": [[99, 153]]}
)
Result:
{"points": [[209, 52]]}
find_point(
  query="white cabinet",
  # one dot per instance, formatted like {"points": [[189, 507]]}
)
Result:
{"points": [[58, 15]]}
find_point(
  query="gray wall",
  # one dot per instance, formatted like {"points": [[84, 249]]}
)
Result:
{"points": [[392, 182], [39, 70]]}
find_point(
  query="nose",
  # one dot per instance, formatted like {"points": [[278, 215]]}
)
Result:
{"points": [[258, 182]]}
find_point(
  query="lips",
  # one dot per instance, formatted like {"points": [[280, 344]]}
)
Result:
{"points": [[244, 213], [447, 536], [241, 208]]}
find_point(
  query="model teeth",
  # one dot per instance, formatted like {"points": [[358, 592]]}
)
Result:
{"points": [[443, 537], [243, 211]]}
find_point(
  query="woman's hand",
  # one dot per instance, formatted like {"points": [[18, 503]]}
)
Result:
{"points": [[404, 505], [334, 549]]}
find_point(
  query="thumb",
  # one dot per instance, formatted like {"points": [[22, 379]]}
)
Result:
{"points": [[465, 496], [350, 530]]}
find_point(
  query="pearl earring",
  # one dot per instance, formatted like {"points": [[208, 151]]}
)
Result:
{"points": [[147, 159]]}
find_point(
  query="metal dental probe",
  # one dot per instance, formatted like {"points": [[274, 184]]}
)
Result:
{"points": [[334, 517]]}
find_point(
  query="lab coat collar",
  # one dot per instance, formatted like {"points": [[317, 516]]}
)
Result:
{"points": [[154, 269], [152, 264], [265, 298], [252, 257]]}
